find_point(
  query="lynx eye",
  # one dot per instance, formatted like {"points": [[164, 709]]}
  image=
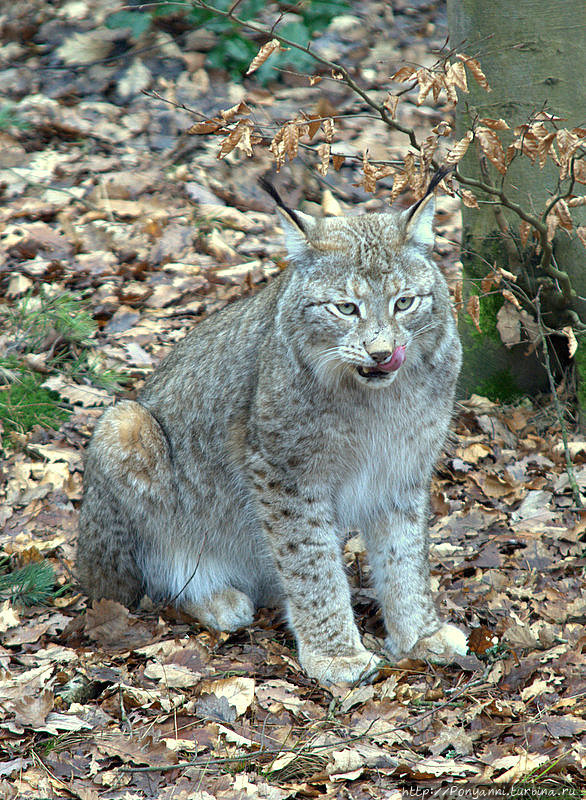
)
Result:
{"points": [[347, 309], [403, 303]]}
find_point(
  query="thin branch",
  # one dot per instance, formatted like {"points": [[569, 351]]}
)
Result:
{"points": [[192, 576], [336, 68], [308, 750], [575, 320], [341, 73], [559, 196], [505, 201]]}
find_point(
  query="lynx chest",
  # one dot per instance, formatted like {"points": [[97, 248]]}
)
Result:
{"points": [[391, 454]]}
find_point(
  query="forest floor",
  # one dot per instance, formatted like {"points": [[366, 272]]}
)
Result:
{"points": [[144, 232]]}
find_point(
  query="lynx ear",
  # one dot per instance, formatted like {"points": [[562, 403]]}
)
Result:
{"points": [[418, 222], [298, 230], [298, 227]]}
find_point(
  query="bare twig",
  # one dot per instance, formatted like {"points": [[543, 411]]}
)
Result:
{"points": [[337, 69], [486, 185], [305, 749], [192, 576]]}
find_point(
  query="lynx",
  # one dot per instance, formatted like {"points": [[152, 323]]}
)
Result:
{"points": [[315, 407]]}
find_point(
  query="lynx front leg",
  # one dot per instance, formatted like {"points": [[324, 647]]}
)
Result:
{"points": [[398, 545], [299, 528]]}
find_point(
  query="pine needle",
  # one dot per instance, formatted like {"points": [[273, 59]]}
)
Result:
{"points": [[31, 585]]}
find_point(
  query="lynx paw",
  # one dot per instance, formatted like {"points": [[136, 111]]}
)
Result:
{"points": [[340, 669], [226, 610], [442, 646]]}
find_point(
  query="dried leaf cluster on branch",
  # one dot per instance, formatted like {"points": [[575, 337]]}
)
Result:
{"points": [[540, 139]]}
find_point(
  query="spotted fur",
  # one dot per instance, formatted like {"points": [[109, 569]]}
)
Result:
{"points": [[276, 426]]}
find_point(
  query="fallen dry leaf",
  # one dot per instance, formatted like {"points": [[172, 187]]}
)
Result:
{"points": [[172, 675], [239, 692], [33, 711], [112, 626], [8, 617], [103, 197]]}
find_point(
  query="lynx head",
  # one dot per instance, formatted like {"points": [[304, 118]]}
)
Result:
{"points": [[364, 297]]}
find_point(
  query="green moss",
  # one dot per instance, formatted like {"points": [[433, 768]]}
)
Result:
{"points": [[476, 265], [490, 305], [24, 403], [500, 387]]}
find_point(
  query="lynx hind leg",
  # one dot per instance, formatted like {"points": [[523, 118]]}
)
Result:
{"points": [[225, 610], [442, 646], [106, 566], [124, 481]]}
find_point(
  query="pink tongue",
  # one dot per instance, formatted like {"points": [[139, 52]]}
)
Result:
{"points": [[394, 361]]}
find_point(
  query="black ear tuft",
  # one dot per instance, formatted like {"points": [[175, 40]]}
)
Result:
{"points": [[436, 178], [270, 189]]}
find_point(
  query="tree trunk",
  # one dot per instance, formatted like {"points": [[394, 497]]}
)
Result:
{"points": [[534, 57]]}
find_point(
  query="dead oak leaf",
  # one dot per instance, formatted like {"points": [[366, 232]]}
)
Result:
{"points": [[239, 692], [172, 675], [26, 634], [86, 396], [481, 639], [472, 453], [52, 452], [519, 636], [509, 325], [209, 706], [452, 738], [537, 688], [345, 765], [495, 486], [31, 712], [518, 766], [565, 726], [534, 504], [57, 723], [8, 617], [278, 694], [356, 697], [113, 627], [245, 788], [429, 768]]}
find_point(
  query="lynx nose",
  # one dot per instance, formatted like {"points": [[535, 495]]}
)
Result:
{"points": [[381, 355], [380, 348]]}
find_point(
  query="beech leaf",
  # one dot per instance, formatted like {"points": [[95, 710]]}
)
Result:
{"points": [[457, 152], [476, 70], [263, 54], [473, 309]]}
